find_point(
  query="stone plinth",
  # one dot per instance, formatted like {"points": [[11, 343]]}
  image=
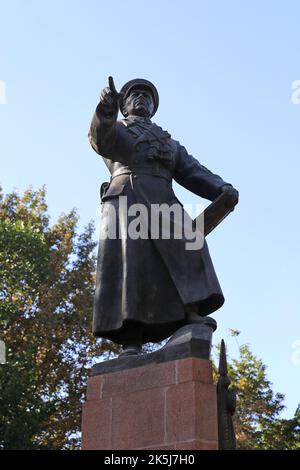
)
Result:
{"points": [[166, 405]]}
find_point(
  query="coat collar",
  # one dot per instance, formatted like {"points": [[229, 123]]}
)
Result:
{"points": [[136, 120]]}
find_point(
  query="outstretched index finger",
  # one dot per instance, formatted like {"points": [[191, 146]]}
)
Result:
{"points": [[112, 87]]}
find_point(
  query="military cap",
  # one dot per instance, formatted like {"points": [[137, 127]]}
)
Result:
{"points": [[138, 83]]}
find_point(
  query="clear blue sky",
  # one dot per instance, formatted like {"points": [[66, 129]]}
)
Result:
{"points": [[224, 71]]}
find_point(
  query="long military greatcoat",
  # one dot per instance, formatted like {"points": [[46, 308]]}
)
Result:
{"points": [[152, 281]]}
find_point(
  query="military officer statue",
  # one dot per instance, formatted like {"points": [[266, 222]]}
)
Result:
{"points": [[147, 287]]}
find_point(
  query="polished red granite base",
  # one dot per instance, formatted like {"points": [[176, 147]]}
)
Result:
{"points": [[171, 405]]}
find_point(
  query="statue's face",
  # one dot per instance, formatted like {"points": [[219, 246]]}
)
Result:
{"points": [[139, 102]]}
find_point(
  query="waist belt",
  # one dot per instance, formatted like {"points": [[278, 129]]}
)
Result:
{"points": [[161, 172]]}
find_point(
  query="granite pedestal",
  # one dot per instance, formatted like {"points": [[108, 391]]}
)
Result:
{"points": [[160, 400]]}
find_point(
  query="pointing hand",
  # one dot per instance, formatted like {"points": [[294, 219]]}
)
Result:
{"points": [[109, 97]]}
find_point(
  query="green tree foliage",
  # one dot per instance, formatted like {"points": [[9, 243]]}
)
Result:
{"points": [[257, 419], [46, 295]]}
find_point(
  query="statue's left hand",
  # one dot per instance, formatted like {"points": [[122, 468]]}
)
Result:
{"points": [[232, 192]]}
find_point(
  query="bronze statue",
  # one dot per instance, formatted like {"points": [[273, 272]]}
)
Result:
{"points": [[147, 288]]}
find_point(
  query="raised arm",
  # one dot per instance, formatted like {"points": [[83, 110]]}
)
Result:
{"points": [[102, 133]]}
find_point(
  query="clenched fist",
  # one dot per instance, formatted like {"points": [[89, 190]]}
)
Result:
{"points": [[232, 192]]}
